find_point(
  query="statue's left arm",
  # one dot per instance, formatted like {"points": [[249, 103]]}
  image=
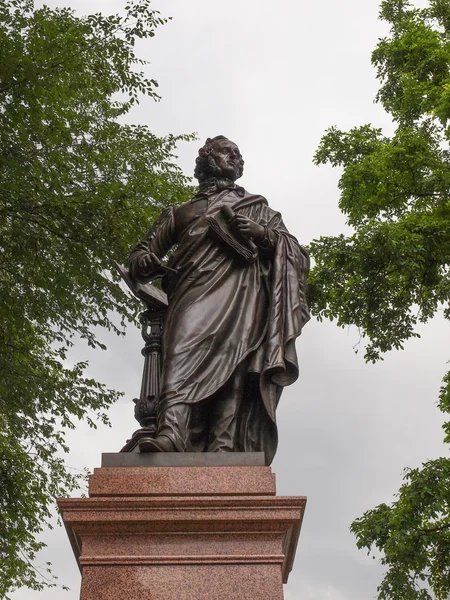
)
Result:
{"points": [[285, 263], [264, 226], [288, 311]]}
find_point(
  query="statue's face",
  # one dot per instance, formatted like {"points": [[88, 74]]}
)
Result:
{"points": [[227, 157]]}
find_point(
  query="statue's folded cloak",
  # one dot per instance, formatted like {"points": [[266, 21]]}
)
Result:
{"points": [[224, 309]]}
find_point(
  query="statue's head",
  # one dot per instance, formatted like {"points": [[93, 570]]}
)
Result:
{"points": [[220, 158]]}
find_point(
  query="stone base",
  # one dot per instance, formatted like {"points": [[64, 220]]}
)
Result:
{"points": [[183, 459], [184, 533]]}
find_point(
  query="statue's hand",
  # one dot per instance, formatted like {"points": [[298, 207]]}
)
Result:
{"points": [[150, 263], [248, 227]]}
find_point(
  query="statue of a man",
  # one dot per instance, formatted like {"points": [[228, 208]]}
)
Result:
{"points": [[236, 292]]}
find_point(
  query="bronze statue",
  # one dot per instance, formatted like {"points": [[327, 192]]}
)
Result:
{"points": [[235, 284]]}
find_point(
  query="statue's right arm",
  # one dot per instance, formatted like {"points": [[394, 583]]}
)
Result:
{"points": [[144, 260]]}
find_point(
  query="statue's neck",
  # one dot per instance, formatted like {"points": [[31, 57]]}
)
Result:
{"points": [[216, 183]]}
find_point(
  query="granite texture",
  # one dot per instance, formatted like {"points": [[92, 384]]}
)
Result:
{"points": [[166, 547], [221, 546], [181, 481], [204, 582]]}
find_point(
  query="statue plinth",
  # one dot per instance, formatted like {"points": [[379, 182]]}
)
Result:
{"points": [[208, 532]]}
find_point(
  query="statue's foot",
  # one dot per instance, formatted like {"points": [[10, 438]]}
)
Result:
{"points": [[159, 444]]}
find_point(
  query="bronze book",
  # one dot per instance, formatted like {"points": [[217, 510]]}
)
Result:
{"points": [[220, 226]]}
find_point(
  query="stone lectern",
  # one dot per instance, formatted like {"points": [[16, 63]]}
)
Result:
{"points": [[188, 509]]}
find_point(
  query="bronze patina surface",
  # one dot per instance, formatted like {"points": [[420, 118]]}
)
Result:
{"points": [[235, 285]]}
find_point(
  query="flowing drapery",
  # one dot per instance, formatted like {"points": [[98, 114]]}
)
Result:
{"points": [[224, 309]]}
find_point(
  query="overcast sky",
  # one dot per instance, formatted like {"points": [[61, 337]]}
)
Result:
{"points": [[272, 76]]}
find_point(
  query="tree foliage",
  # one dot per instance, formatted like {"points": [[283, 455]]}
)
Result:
{"points": [[414, 532], [393, 272], [77, 185]]}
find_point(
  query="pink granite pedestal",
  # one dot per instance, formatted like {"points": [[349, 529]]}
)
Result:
{"points": [[183, 533]]}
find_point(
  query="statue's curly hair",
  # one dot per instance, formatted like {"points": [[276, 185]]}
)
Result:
{"points": [[206, 166]]}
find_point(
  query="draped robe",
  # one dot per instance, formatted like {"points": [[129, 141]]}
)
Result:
{"points": [[224, 309]]}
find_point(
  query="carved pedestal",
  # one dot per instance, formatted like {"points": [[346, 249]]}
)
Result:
{"points": [[215, 531]]}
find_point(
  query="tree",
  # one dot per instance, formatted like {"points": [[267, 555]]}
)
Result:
{"points": [[76, 187], [393, 272]]}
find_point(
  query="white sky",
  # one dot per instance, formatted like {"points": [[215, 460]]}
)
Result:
{"points": [[272, 76]]}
